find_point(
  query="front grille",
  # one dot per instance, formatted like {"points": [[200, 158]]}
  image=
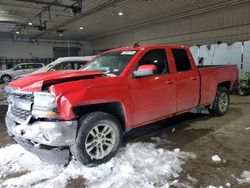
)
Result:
{"points": [[17, 111], [20, 113], [23, 97]]}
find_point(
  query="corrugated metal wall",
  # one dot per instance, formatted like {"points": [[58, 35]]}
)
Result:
{"points": [[226, 25]]}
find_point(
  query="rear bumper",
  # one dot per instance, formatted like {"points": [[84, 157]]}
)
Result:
{"points": [[48, 140]]}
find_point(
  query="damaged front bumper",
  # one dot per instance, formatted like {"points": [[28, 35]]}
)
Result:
{"points": [[49, 140]]}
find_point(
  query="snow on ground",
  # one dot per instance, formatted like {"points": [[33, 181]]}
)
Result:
{"points": [[3, 102], [245, 177], [248, 128], [136, 165], [216, 158], [190, 178], [228, 184]]}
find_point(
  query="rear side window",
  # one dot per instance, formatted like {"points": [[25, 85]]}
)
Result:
{"points": [[181, 59], [36, 66]]}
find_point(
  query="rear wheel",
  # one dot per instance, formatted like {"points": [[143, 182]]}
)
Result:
{"points": [[98, 139], [221, 102], [6, 78]]}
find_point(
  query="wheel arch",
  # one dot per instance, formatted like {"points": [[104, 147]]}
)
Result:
{"points": [[226, 84], [6, 75], [114, 108]]}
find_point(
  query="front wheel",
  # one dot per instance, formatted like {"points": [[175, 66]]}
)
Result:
{"points": [[221, 102], [98, 139], [6, 78]]}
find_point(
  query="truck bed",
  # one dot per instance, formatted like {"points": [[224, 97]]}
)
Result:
{"points": [[209, 66], [211, 75]]}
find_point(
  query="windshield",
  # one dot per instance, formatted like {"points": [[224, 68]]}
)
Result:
{"points": [[111, 63]]}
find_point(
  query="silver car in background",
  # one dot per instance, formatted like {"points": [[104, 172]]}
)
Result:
{"points": [[66, 63], [19, 71]]}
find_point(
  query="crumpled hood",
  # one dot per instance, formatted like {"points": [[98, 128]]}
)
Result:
{"points": [[35, 82]]}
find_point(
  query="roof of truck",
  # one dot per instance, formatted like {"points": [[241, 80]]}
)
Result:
{"points": [[143, 47]]}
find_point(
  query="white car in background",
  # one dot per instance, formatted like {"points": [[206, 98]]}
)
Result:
{"points": [[19, 71], [65, 63]]}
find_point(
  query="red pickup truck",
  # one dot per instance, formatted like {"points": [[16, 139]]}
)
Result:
{"points": [[85, 113]]}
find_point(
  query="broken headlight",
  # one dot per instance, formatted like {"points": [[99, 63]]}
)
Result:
{"points": [[45, 106]]}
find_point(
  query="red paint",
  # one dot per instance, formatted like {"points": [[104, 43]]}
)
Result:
{"points": [[145, 99]]}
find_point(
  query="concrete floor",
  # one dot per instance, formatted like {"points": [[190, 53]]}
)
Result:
{"points": [[203, 135]]}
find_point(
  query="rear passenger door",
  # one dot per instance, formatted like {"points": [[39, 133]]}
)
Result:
{"points": [[187, 81]]}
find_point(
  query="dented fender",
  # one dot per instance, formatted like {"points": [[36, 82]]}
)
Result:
{"points": [[65, 97]]}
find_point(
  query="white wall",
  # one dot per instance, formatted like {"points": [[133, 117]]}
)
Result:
{"points": [[41, 49], [227, 25], [223, 54]]}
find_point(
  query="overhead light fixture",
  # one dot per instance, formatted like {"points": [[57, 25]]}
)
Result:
{"points": [[81, 28], [120, 13], [30, 23], [60, 32]]}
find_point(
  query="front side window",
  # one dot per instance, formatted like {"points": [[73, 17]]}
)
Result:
{"points": [[69, 65], [72, 65], [181, 59], [157, 58], [19, 67], [111, 62]]}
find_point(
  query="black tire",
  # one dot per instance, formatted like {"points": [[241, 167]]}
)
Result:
{"points": [[87, 124], [6, 78], [242, 92], [218, 109]]}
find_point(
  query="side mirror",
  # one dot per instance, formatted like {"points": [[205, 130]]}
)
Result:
{"points": [[145, 70]]}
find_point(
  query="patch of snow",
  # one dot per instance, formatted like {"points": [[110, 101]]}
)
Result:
{"points": [[248, 128], [228, 184], [162, 140], [157, 139], [135, 165], [211, 186], [3, 102], [190, 178], [173, 130], [216, 158], [245, 177]]}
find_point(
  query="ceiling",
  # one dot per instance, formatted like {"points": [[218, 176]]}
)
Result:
{"points": [[98, 17]]}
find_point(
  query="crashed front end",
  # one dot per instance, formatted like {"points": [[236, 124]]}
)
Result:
{"points": [[33, 122]]}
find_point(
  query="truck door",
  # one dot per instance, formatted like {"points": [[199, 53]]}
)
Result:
{"points": [[19, 70], [187, 81], [154, 96]]}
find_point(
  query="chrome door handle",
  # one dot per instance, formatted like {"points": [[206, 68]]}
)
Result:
{"points": [[193, 78], [169, 82]]}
